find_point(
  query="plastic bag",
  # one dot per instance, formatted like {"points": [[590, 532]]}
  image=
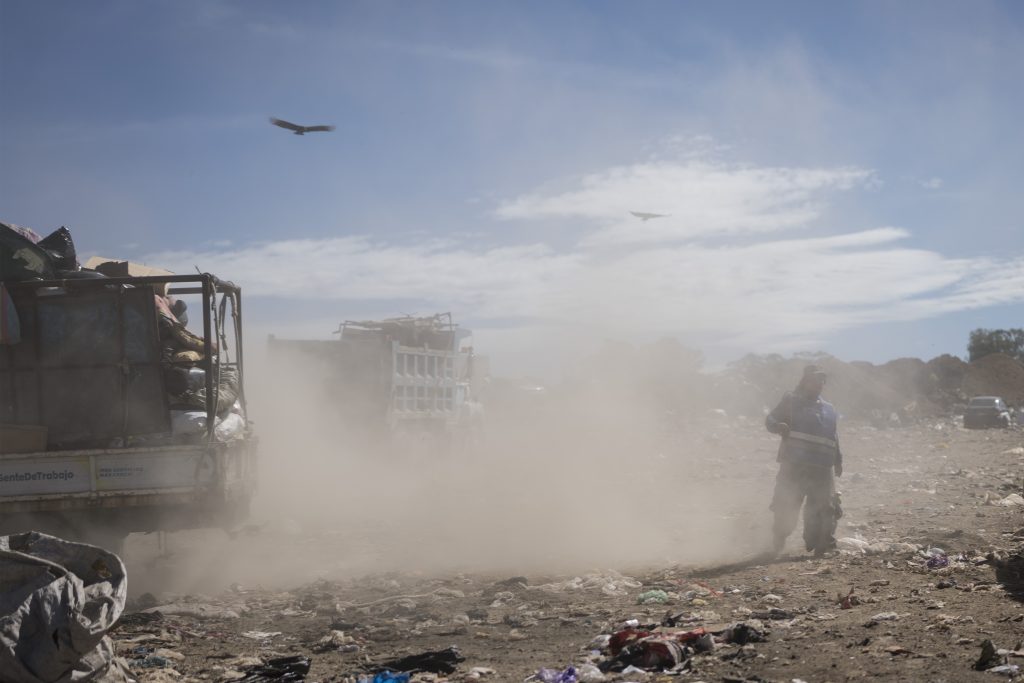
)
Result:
{"points": [[61, 248], [188, 422], [230, 428]]}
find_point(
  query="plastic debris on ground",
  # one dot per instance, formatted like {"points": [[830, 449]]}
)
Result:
{"points": [[1012, 500], [193, 609], [435, 661], [278, 670], [989, 658], [936, 559], [386, 677], [567, 675], [336, 640], [658, 597]]}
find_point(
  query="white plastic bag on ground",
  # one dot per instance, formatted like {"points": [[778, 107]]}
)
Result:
{"points": [[57, 601]]}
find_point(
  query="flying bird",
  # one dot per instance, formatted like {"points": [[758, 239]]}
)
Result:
{"points": [[648, 216], [300, 130]]}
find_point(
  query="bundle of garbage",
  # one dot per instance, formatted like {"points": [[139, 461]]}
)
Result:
{"points": [[71, 592], [657, 647], [25, 255]]}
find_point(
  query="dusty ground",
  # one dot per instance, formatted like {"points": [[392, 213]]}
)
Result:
{"points": [[906, 490]]}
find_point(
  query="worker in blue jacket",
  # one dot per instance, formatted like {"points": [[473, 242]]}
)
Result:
{"points": [[808, 455]]}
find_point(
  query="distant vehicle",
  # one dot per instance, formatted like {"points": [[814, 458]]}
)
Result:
{"points": [[986, 411], [402, 377]]}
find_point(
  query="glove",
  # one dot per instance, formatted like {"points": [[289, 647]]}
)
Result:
{"points": [[782, 429], [838, 467]]}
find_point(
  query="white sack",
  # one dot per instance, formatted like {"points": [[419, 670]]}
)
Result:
{"points": [[57, 601]]}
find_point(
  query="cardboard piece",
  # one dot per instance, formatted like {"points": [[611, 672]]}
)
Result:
{"points": [[121, 268]]}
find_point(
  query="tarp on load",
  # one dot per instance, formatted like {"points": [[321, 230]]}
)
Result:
{"points": [[57, 601], [21, 258]]}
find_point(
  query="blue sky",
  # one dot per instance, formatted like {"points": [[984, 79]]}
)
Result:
{"points": [[837, 176]]}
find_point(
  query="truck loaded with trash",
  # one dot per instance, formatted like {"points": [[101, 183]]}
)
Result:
{"points": [[406, 380], [115, 417]]}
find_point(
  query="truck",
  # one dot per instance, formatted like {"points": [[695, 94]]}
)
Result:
{"points": [[400, 379], [92, 444]]}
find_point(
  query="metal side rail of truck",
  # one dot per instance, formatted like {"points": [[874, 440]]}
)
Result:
{"points": [[90, 444]]}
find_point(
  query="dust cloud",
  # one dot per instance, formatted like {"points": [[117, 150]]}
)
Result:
{"points": [[615, 466]]}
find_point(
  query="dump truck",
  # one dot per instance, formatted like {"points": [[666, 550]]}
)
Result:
{"points": [[93, 442], [399, 379]]}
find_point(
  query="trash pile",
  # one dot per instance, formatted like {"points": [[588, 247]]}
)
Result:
{"points": [[657, 647]]}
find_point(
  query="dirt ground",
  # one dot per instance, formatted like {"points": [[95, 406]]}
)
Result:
{"points": [[357, 595]]}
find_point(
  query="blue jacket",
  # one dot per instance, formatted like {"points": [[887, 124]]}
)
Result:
{"points": [[812, 438]]}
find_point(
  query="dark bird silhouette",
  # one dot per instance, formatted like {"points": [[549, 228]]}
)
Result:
{"points": [[648, 216], [300, 130]]}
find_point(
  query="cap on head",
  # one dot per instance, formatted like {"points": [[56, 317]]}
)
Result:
{"points": [[187, 357], [814, 371]]}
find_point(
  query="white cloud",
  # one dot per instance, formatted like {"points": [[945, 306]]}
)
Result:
{"points": [[765, 291], [700, 198], [932, 183]]}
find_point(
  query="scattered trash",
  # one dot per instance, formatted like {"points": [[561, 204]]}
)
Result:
{"points": [[150, 662], [193, 609], [335, 640], [1011, 669], [387, 677], [855, 545], [1011, 500], [741, 634], [880, 617], [773, 614], [567, 675], [260, 635], [653, 653], [989, 658], [588, 673], [659, 597], [281, 669], [849, 600], [436, 661], [621, 639]]}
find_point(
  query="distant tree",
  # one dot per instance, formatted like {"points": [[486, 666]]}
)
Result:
{"points": [[1009, 342]]}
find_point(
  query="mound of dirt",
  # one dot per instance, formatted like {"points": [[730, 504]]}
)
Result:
{"points": [[907, 387]]}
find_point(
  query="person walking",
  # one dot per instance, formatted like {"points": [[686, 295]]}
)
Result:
{"points": [[809, 455]]}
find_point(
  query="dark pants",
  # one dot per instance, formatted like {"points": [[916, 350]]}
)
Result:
{"points": [[793, 485]]}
